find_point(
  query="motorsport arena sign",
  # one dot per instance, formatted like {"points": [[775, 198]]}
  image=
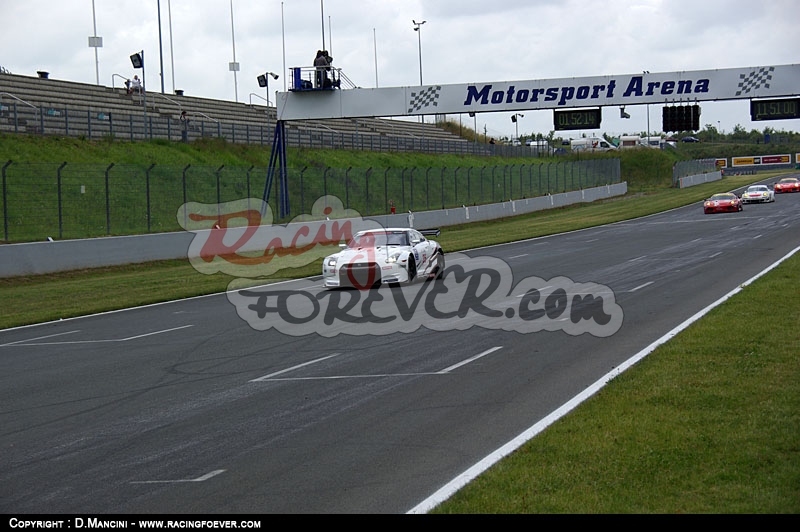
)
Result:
{"points": [[631, 89]]}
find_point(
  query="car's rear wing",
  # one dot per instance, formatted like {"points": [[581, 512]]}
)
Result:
{"points": [[430, 232]]}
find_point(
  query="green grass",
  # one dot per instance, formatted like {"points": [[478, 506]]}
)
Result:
{"points": [[699, 426], [707, 423]]}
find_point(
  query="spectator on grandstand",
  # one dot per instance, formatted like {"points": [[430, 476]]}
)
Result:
{"points": [[136, 85]]}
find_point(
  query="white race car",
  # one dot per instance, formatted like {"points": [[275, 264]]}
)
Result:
{"points": [[758, 194], [384, 256]]}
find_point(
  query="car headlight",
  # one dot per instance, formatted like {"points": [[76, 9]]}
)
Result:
{"points": [[393, 258], [331, 261]]}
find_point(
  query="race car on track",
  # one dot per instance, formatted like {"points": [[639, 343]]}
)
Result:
{"points": [[758, 194], [723, 202], [787, 184], [384, 256]]}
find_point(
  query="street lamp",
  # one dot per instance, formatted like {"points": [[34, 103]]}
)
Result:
{"points": [[516, 123], [137, 60], [95, 42], [417, 25], [263, 81], [233, 66]]}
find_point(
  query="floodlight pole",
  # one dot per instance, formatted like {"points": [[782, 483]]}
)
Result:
{"points": [[160, 45], [417, 26], [95, 43], [144, 96]]}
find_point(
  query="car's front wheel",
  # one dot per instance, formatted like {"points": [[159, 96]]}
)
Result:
{"points": [[439, 266], [412, 269]]}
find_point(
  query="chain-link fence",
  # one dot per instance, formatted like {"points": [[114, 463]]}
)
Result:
{"points": [[683, 169], [62, 201]]}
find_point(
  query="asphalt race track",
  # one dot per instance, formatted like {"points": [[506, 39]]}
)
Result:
{"points": [[187, 407]]}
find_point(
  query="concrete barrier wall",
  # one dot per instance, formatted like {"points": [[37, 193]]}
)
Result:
{"points": [[64, 255], [692, 180]]}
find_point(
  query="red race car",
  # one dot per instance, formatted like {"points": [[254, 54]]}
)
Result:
{"points": [[787, 184], [723, 202]]}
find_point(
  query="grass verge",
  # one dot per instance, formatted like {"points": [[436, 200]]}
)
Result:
{"points": [[707, 423]]}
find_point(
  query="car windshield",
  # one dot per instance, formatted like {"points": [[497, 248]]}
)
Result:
{"points": [[789, 180], [722, 197], [757, 189], [378, 239]]}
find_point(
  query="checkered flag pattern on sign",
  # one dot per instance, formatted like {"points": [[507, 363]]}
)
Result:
{"points": [[424, 98], [755, 80]]}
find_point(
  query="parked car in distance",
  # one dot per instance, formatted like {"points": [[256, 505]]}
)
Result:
{"points": [[723, 202], [591, 144], [787, 184], [758, 194], [690, 139]]}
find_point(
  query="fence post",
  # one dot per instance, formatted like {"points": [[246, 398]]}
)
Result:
{"points": [[469, 187], [493, 193], [60, 212], [411, 197], [508, 194], [455, 185], [442, 185], [248, 185], [302, 192], [481, 183], [386, 187], [403, 188], [5, 202], [108, 202], [147, 193], [183, 185], [366, 191], [347, 187], [219, 192], [427, 189]]}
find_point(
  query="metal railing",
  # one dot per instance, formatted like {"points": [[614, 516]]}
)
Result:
{"points": [[159, 95], [133, 126]]}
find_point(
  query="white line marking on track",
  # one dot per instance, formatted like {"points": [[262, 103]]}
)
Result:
{"points": [[32, 341], [717, 254], [39, 338], [641, 286], [518, 256], [467, 361], [198, 479], [274, 376], [287, 370]]}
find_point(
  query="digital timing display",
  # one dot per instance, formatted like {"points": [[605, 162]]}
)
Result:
{"points": [[775, 109], [576, 119]]}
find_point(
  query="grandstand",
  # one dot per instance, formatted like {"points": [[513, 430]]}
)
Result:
{"points": [[40, 105]]}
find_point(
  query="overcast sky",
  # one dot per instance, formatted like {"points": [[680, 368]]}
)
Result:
{"points": [[374, 43]]}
